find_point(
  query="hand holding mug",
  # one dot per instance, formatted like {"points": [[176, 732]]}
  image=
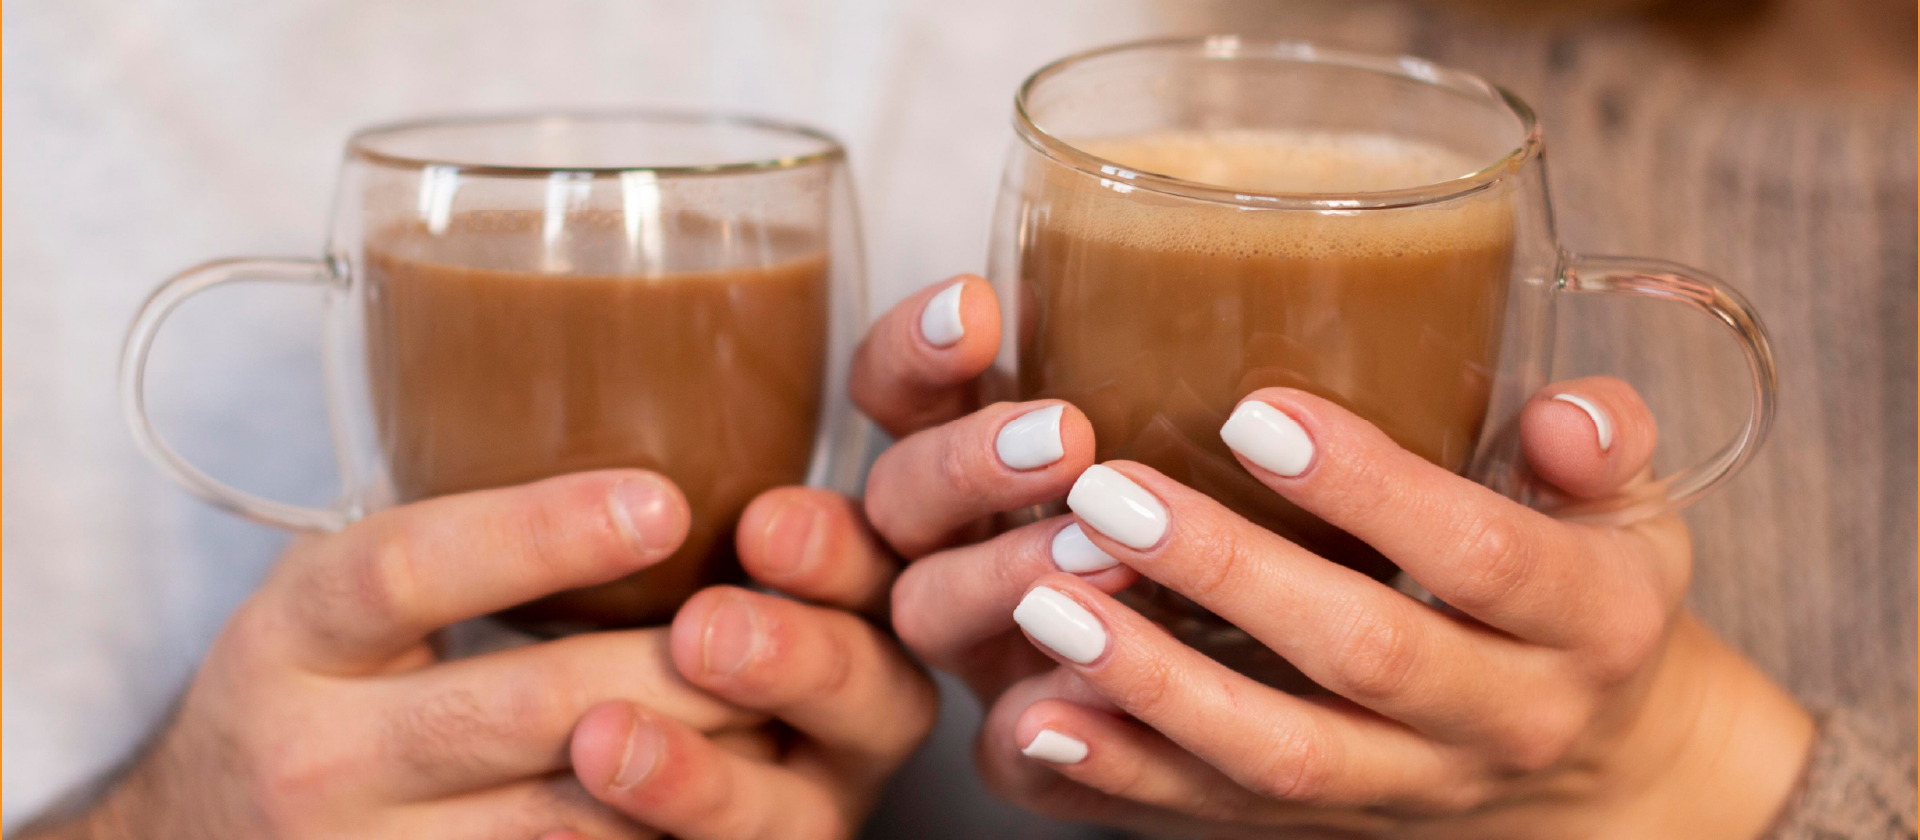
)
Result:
{"points": [[516, 297], [323, 709], [1566, 688]]}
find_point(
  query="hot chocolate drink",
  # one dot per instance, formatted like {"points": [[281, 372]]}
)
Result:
{"points": [[500, 353], [1155, 315]]}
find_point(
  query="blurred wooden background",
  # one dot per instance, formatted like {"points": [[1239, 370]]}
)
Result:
{"points": [[1773, 144]]}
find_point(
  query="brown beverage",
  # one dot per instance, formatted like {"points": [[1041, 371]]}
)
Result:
{"points": [[1155, 316], [498, 357]]}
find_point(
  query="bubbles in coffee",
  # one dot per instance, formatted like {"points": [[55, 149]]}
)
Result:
{"points": [[500, 355], [1156, 314]]}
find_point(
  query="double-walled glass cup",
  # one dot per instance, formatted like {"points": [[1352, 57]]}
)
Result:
{"points": [[517, 297], [1155, 303]]}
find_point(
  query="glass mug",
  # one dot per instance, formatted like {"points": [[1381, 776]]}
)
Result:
{"points": [[1182, 222], [517, 297]]}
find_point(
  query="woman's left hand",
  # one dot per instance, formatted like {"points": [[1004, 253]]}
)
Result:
{"points": [[1571, 694], [1567, 694]]}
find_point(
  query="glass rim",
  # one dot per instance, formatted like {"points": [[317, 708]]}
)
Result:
{"points": [[1236, 48], [359, 142]]}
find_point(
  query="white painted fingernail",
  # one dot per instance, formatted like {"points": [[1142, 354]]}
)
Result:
{"points": [[1054, 748], [1073, 553], [1268, 437], [1601, 425], [1117, 507], [940, 321], [1060, 623], [1032, 439]]}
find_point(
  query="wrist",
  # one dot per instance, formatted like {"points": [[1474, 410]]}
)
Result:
{"points": [[107, 818], [1727, 749], [67, 824], [124, 805]]}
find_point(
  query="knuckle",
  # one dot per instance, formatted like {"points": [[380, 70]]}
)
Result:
{"points": [[861, 388], [832, 675], [1543, 739], [1362, 492], [548, 697], [1222, 561], [1297, 771], [1631, 638], [294, 780], [540, 528], [913, 624], [1128, 780], [252, 636], [432, 738], [1216, 803], [692, 793], [1150, 691], [1013, 565], [380, 581], [1496, 559], [1376, 657], [887, 497], [957, 467]]}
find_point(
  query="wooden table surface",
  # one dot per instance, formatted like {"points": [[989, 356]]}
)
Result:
{"points": [[1772, 144]]}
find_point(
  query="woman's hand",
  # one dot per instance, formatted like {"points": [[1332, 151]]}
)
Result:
{"points": [[323, 710], [1566, 693]]}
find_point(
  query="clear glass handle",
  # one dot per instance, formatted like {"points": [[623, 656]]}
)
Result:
{"points": [[1697, 290], [133, 386]]}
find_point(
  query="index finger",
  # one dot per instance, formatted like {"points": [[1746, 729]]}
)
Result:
{"points": [[816, 545], [916, 367], [354, 600], [1492, 558], [832, 676]]}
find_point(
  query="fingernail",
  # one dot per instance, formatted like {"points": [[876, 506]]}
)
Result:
{"points": [[1075, 554], [1268, 437], [1061, 624], [789, 538], [636, 504], [940, 321], [1054, 748], [641, 754], [1117, 507], [733, 637], [1602, 426], [1032, 439]]}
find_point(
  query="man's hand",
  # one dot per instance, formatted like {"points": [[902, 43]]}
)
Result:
{"points": [[323, 709]]}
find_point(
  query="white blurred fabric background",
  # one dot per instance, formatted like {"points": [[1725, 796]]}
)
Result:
{"points": [[141, 138]]}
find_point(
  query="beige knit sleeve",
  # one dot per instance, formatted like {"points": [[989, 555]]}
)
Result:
{"points": [[1859, 784]]}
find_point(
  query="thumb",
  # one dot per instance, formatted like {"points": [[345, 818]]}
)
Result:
{"points": [[1588, 437]]}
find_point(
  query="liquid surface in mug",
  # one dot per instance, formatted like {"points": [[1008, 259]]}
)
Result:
{"points": [[500, 354], [1155, 315]]}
